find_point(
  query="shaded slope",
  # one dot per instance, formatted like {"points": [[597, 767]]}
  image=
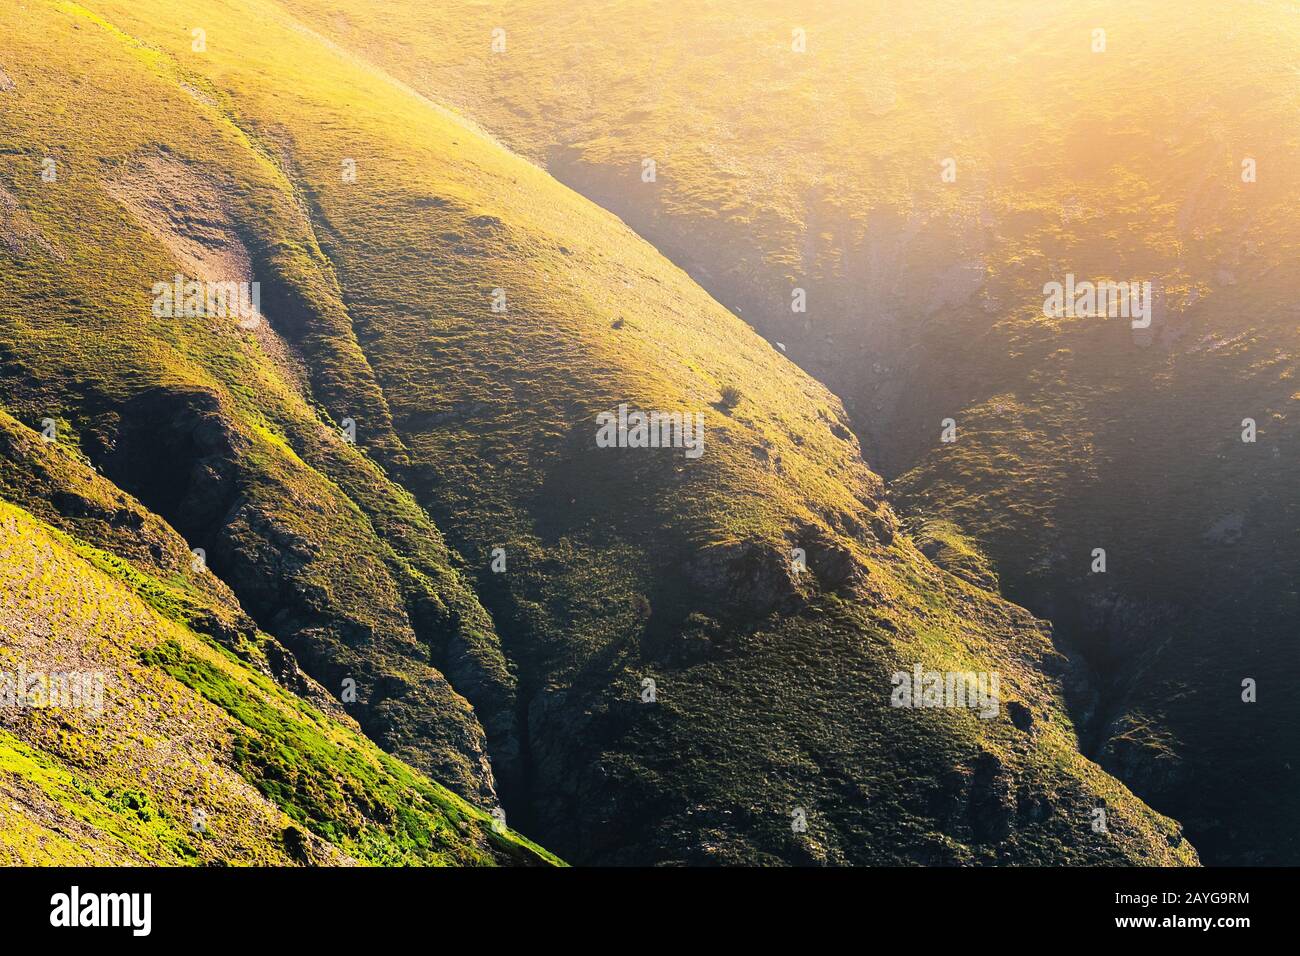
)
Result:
{"points": [[823, 171], [626, 565], [174, 749], [216, 427]]}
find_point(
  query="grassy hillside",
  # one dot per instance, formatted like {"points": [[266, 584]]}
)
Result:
{"points": [[769, 685], [222, 431], [178, 751], [920, 171]]}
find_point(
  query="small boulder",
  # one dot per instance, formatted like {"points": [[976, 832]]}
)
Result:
{"points": [[1021, 716]]}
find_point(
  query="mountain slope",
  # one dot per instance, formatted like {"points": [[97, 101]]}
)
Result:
{"points": [[216, 427], [131, 736], [769, 700], [918, 174]]}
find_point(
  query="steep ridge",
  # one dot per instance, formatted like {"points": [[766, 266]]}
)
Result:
{"points": [[217, 423], [917, 173], [147, 721], [686, 693]]}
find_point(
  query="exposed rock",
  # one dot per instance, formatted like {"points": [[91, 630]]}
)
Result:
{"points": [[1148, 764], [884, 525], [743, 576], [1021, 716], [1032, 806], [286, 672], [990, 807], [830, 561]]}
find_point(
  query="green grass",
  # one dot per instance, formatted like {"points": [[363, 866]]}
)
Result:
{"points": [[292, 756], [822, 171], [118, 780], [479, 425], [375, 556]]}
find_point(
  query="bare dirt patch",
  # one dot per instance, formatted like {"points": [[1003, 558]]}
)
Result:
{"points": [[17, 232], [189, 214]]}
